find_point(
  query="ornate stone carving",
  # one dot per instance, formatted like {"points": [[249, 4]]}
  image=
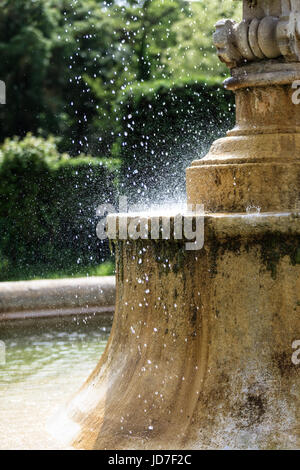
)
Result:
{"points": [[263, 52], [260, 36]]}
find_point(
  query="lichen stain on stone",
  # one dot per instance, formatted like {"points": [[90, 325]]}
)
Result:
{"points": [[276, 246], [265, 104], [273, 247], [218, 248], [251, 411], [118, 247], [194, 315], [283, 362], [170, 256]]}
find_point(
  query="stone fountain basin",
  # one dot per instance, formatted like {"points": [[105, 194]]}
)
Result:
{"points": [[200, 352], [57, 298]]}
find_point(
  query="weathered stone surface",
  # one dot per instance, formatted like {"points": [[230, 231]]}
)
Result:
{"points": [[60, 297], [258, 164], [269, 29], [200, 354]]}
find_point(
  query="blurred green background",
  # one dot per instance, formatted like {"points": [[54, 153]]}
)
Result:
{"points": [[103, 99]]}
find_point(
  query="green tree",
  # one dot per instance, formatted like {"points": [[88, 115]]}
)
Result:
{"points": [[86, 49], [193, 51], [26, 34], [148, 30], [48, 50], [66, 61], [142, 31]]}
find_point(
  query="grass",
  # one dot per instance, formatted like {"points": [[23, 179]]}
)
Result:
{"points": [[106, 268]]}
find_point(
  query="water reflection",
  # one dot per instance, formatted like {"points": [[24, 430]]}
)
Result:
{"points": [[45, 363]]}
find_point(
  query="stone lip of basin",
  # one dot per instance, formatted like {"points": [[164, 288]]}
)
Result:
{"points": [[243, 225], [55, 298]]}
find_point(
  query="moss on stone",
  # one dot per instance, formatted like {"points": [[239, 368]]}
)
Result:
{"points": [[172, 256], [275, 246], [218, 247], [119, 247]]}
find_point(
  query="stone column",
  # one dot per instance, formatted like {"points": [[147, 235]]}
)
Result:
{"points": [[258, 164]]}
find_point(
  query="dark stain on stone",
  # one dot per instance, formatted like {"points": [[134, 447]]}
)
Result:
{"points": [[252, 411], [275, 246], [283, 362], [194, 314], [217, 248]]}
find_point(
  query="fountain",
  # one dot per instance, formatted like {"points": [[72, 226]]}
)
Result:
{"points": [[203, 350]]}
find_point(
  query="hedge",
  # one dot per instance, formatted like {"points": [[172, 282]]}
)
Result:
{"points": [[165, 125], [48, 205]]}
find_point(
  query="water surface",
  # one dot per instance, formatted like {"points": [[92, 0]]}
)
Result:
{"points": [[46, 362]]}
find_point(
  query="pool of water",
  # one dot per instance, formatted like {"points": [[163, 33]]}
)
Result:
{"points": [[45, 363]]}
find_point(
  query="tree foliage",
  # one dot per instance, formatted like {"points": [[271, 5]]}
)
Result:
{"points": [[66, 62], [193, 51]]}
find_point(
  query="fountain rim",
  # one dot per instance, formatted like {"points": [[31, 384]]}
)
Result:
{"points": [[248, 225]]}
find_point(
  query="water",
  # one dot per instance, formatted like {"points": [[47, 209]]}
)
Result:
{"points": [[45, 364]]}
